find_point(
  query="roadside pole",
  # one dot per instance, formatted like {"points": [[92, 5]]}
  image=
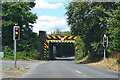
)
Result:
{"points": [[16, 36], [104, 53], [105, 44], [15, 53]]}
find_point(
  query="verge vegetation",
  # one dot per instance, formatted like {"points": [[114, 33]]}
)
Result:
{"points": [[90, 21], [19, 13]]}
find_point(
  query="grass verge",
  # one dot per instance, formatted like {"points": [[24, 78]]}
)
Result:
{"points": [[22, 59], [10, 72], [109, 63], [83, 60]]}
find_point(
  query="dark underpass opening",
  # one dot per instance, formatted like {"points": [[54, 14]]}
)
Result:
{"points": [[61, 51]]}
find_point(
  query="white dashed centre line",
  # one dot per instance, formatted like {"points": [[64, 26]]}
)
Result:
{"points": [[81, 73], [78, 72]]}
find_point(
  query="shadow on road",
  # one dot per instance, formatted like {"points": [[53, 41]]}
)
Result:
{"points": [[64, 59]]}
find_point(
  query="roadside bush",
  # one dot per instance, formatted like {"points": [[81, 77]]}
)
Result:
{"points": [[23, 55], [80, 45], [27, 55], [8, 53]]}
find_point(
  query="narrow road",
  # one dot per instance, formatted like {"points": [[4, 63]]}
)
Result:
{"points": [[60, 68], [68, 69]]}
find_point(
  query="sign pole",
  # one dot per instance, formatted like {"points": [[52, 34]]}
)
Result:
{"points": [[105, 44], [16, 36], [104, 53], [15, 53]]}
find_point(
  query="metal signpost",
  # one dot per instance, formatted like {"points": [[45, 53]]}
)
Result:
{"points": [[105, 44], [16, 36], [15, 52]]}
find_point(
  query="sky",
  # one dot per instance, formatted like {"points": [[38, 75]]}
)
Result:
{"points": [[51, 16]]}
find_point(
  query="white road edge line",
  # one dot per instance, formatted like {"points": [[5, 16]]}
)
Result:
{"points": [[35, 63]]}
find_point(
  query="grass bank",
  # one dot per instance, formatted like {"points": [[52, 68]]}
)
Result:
{"points": [[109, 63], [22, 59]]}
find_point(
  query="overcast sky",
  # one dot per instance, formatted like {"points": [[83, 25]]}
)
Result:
{"points": [[51, 16]]}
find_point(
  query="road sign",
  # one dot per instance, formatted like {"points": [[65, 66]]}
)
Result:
{"points": [[62, 39], [1, 54]]}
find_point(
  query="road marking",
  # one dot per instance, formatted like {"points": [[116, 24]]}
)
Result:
{"points": [[81, 73], [78, 72], [28, 67]]}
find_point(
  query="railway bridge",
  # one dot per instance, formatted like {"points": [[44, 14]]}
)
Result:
{"points": [[49, 43]]}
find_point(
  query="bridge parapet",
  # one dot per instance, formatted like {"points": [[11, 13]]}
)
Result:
{"points": [[52, 37]]}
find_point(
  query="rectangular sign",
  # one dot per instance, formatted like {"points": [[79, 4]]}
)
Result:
{"points": [[1, 54]]}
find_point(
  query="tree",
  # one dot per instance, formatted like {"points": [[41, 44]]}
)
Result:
{"points": [[19, 13], [16, 13], [90, 21], [114, 28], [61, 33]]}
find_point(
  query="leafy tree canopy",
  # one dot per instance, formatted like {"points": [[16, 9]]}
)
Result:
{"points": [[90, 21], [19, 13]]}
